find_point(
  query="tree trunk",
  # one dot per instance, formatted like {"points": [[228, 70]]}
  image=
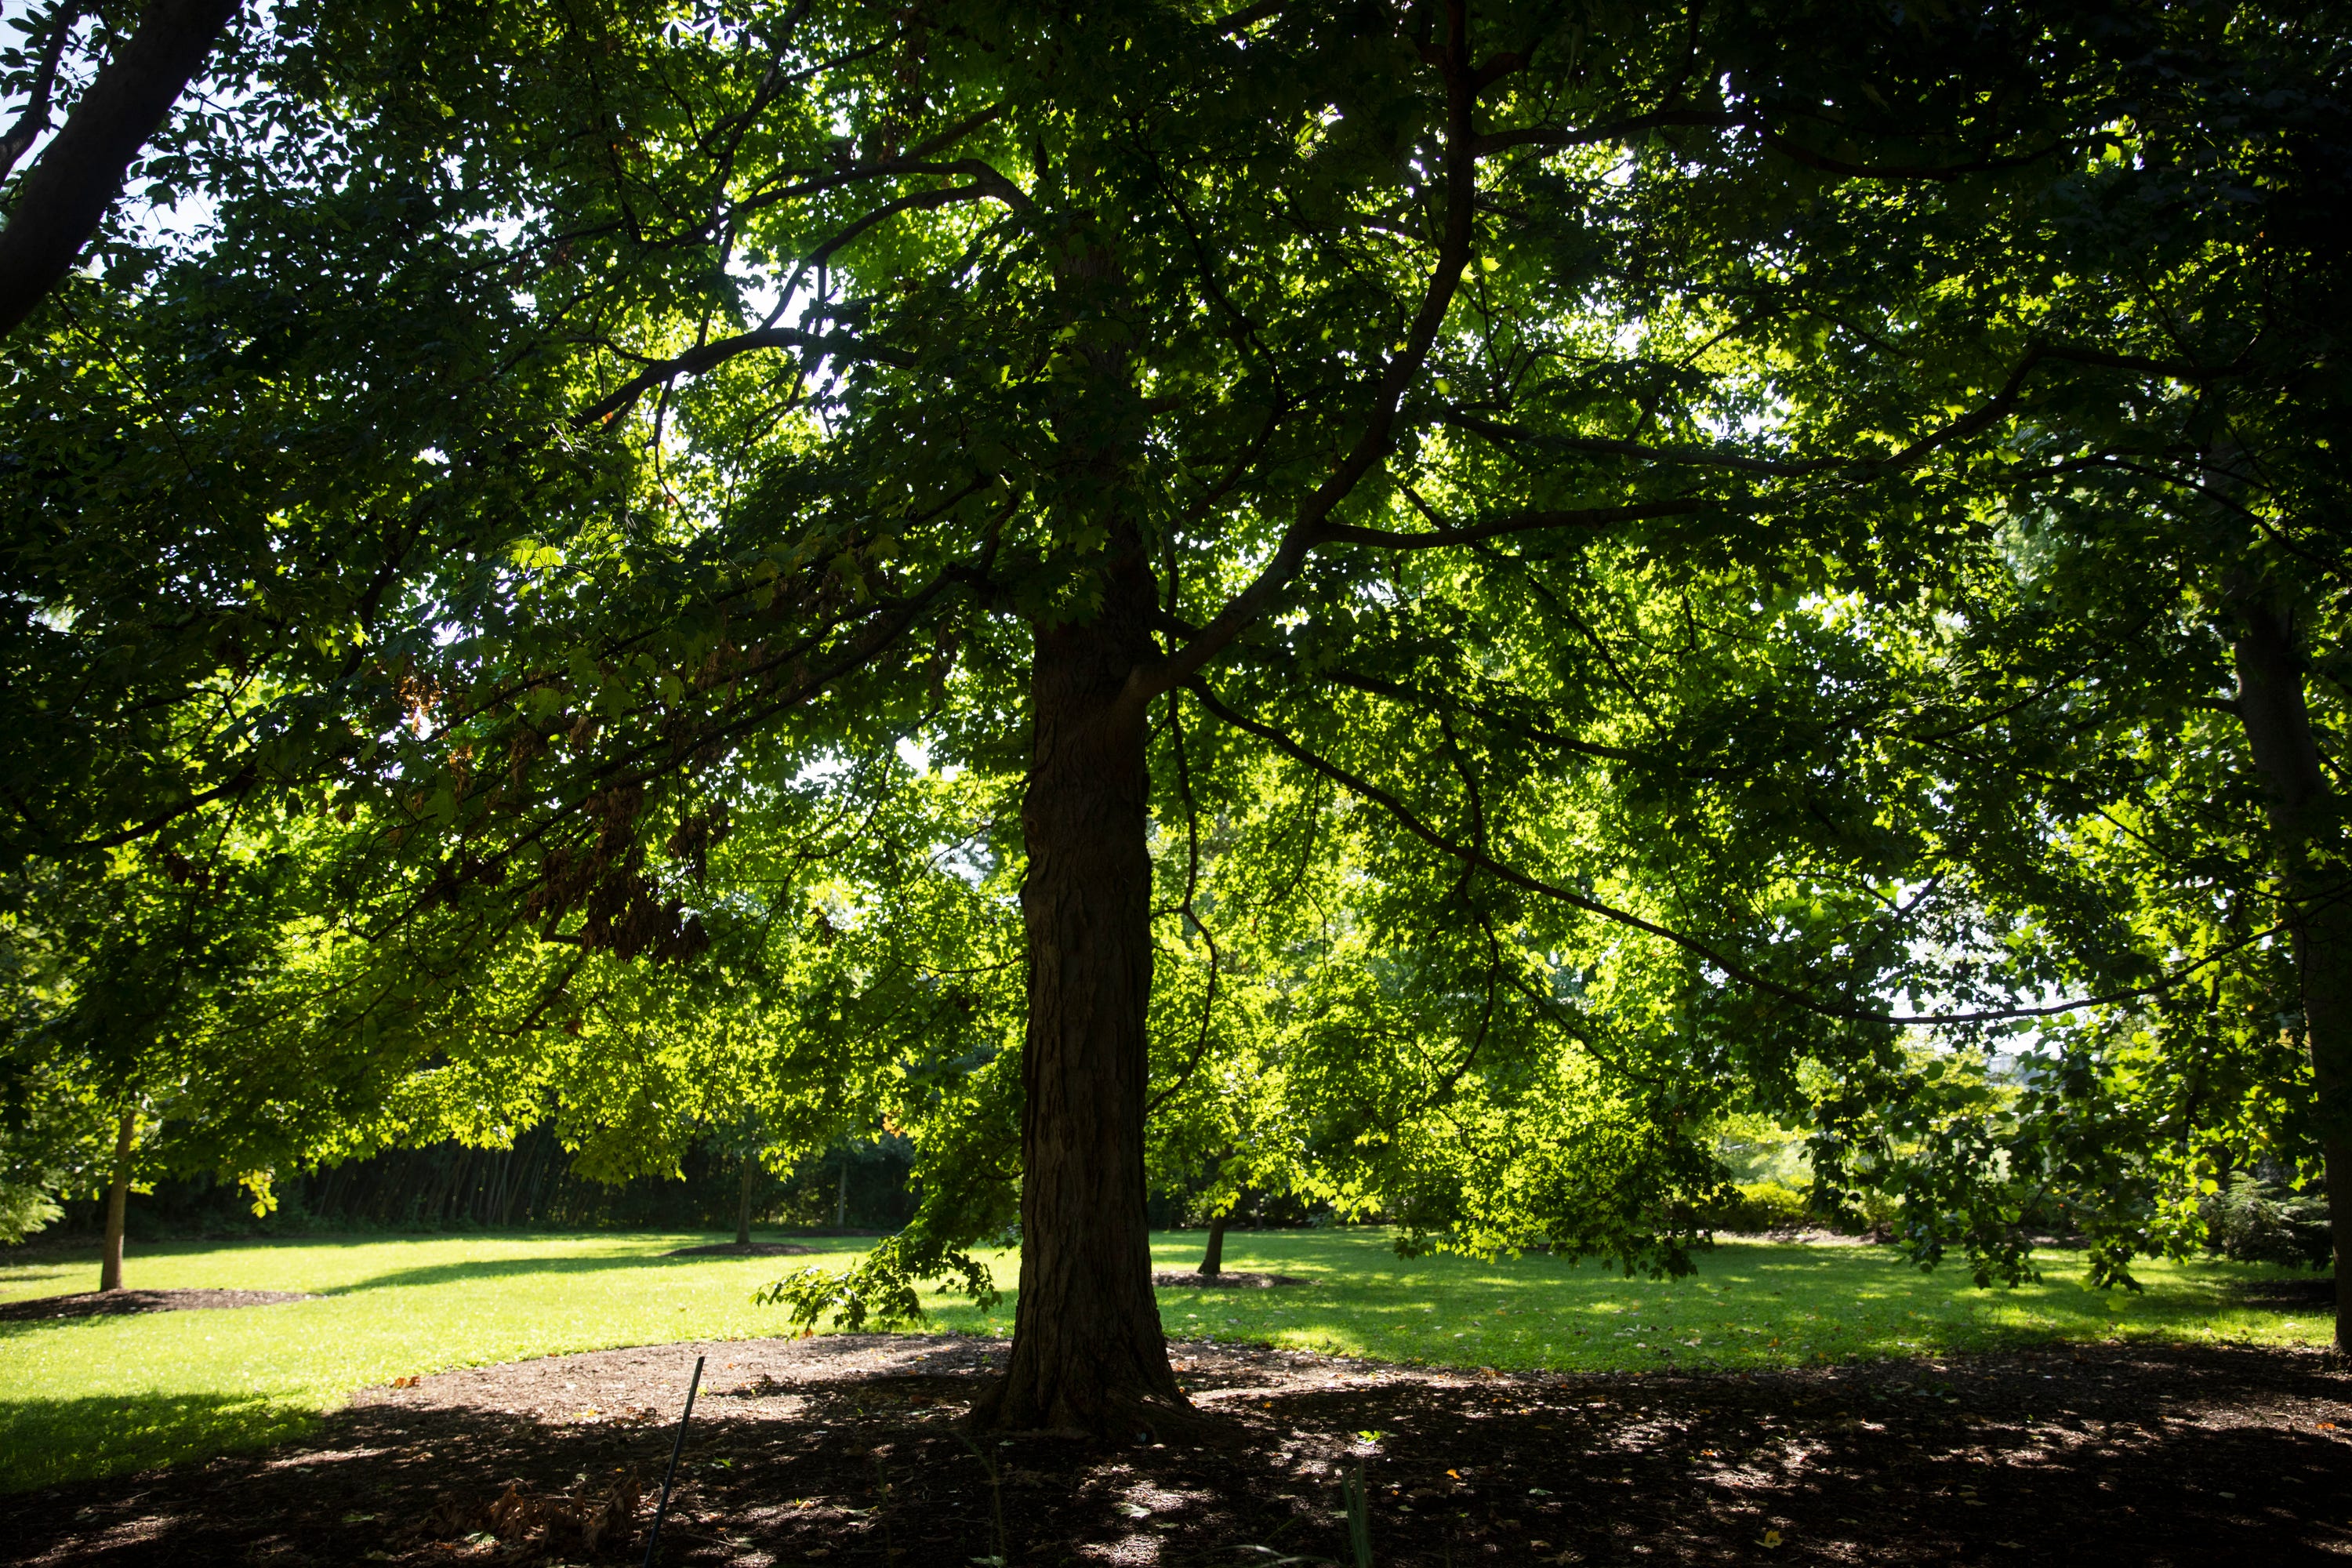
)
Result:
{"points": [[65, 196], [1089, 1355], [744, 1201], [2302, 811], [1213, 1261], [841, 1196], [118, 1202]]}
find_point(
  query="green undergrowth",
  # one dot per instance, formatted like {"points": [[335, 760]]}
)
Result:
{"points": [[93, 1396]]}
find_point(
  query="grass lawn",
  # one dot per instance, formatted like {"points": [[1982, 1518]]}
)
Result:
{"points": [[96, 1395]]}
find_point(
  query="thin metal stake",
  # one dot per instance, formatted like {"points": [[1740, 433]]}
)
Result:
{"points": [[653, 1540]]}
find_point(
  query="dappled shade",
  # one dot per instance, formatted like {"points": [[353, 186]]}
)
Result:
{"points": [[849, 1445]]}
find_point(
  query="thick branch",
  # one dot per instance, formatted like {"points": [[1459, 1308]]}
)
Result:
{"points": [[161, 819], [1671, 457], [1248, 17], [61, 202], [1560, 136], [995, 187], [2002, 401], [710, 357], [990, 182], [1513, 523], [1308, 528], [1829, 166], [1556, 136]]}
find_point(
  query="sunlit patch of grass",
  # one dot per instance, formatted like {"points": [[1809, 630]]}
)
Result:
{"points": [[99, 1395], [96, 1395], [1749, 1305]]}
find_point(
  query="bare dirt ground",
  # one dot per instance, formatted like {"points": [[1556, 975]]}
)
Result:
{"points": [[844, 1449], [110, 1303]]}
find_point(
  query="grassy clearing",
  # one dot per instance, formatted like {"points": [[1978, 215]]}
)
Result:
{"points": [[1749, 1305], [94, 1396]]}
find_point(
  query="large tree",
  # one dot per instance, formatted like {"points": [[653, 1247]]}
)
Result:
{"points": [[1482, 427]]}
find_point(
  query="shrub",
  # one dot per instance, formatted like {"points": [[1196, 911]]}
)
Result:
{"points": [[2255, 1221], [23, 1210], [1761, 1205]]}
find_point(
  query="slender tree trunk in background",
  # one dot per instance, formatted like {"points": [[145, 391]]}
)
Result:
{"points": [[841, 1196], [118, 1201], [744, 1201], [1087, 1352], [2303, 814], [1213, 1261], [62, 200]]}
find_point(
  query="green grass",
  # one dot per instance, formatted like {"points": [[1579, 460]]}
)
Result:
{"points": [[100, 1395], [1749, 1305]]}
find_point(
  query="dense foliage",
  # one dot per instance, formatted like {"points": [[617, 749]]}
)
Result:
{"points": [[680, 565]]}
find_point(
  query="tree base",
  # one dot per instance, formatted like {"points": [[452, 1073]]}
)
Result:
{"points": [[1120, 1420]]}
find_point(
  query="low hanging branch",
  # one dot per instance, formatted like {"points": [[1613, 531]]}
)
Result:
{"points": [[1477, 857], [711, 356]]}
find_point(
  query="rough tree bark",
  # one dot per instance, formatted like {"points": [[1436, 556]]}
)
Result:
{"points": [[1089, 1356], [117, 1203], [2304, 819], [59, 206]]}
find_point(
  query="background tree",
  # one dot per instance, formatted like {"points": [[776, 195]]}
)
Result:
{"points": [[158, 1019], [2153, 606]]}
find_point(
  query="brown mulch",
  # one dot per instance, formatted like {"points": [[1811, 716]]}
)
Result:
{"points": [[1227, 1279], [2286, 1295], [742, 1250], [111, 1303], [845, 1450]]}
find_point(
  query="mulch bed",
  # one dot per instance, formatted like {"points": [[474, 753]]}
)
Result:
{"points": [[741, 1249], [1227, 1279], [844, 1449], [2287, 1295], [112, 1303]]}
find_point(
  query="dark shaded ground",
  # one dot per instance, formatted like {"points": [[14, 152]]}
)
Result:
{"points": [[2287, 1295], [741, 1249], [844, 1449], [112, 1303]]}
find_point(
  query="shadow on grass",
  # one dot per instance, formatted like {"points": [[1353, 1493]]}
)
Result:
{"points": [[43, 1441], [591, 1263]]}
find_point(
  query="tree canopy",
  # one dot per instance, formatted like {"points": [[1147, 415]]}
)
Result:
{"points": [[1421, 602]]}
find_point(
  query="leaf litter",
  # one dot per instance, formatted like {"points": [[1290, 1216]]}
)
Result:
{"points": [[2150, 1454]]}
